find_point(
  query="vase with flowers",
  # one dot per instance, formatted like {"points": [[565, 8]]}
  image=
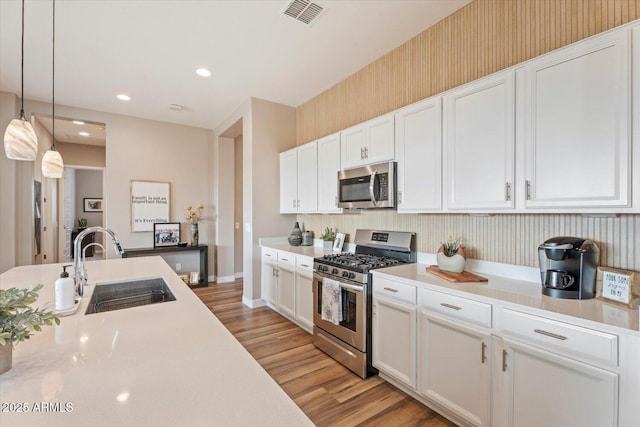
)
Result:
{"points": [[194, 216], [451, 255]]}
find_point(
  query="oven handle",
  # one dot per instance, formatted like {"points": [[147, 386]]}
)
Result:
{"points": [[372, 181], [351, 287]]}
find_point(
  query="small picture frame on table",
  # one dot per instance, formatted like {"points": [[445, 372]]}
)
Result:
{"points": [[184, 277], [194, 278], [338, 243], [166, 234]]}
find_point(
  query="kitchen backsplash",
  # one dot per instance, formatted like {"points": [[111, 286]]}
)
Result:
{"points": [[510, 239]]}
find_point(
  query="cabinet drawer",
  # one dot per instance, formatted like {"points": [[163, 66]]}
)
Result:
{"points": [[395, 290], [286, 258], [304, 263], [576, 341], [475, 312], [269, 255]]}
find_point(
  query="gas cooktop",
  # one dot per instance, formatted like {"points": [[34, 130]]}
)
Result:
{"points": [[358, 262]]}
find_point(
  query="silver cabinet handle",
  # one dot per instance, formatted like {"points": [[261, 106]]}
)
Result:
{"points": [[528, 190], [304, 265], [366, 153], [361, 153], [550, 334], [294, 203], [483, 358], [453, 307], [399, 197], [508, 196], [390, 289], [285, 259], [504, 360]]}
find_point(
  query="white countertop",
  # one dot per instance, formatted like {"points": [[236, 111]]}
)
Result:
{"points": [[172, 363], [523, 293], [281, 244]]}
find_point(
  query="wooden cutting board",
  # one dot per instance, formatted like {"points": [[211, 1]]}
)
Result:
{"points": [[465, 276]]}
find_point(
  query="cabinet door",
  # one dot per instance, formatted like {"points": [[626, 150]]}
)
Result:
{"points": [[380, 145], [545, 389], [308, 177], [289, 181], [479, 144], [352, 145], [328, 168], [577, 112], [455, 368], [286, 291], [304, 298], [269, 282], [419, 148], [394, 339]]}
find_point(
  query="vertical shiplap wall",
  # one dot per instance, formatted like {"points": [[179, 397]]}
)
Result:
{"points": [[481, 38]]}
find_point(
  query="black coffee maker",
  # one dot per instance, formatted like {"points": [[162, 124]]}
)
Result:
{"points": [[568, 267]]}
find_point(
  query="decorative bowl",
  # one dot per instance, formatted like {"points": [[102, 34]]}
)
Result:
{"points": [[182, 244]]}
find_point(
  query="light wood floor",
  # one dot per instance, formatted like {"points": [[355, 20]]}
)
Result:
{"points": [[328, 393]]}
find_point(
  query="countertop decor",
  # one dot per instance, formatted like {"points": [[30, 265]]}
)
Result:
{"points": [[451, 255]]}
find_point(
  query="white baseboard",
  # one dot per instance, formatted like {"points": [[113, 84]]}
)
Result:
{"points": [[211, 278], [253, 303], [225, 279], [239, 275]]}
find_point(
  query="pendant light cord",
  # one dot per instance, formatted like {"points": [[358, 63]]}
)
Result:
{"points": [[22, 67], [53, 81]]}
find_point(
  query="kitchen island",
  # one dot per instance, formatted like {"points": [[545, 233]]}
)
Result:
{"points": [[172, 363]]}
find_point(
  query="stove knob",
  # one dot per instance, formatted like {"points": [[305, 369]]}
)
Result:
{"points": [[323, 268], [345, 274], [352, 275], [334, 271]]}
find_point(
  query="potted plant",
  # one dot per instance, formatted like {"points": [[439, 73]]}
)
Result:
{"points": [[451, 255], [82, 223], [328, 237], [18, 320]]}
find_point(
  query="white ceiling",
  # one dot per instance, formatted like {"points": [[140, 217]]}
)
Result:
{"points": [[151, 49]]}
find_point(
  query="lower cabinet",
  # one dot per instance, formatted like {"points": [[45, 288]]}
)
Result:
{"points": [[304, 293], [269, 276], [547, 389], [455, 369], [394, 339], [286, 290]]}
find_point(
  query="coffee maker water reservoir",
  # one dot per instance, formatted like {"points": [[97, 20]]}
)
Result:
{"points": [[568, 267]]}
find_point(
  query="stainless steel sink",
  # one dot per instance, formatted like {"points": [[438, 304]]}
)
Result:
{"points": [[109, 296]]}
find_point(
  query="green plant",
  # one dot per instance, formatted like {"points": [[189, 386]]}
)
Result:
{"points": [[451, 246], [329, 234], [17, 319], [82, 222]]}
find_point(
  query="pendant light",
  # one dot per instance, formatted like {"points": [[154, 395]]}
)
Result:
{"points": [[20, 141], [52, 165]]}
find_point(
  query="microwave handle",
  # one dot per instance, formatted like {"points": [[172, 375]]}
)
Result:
{"points": [[372, 182]]}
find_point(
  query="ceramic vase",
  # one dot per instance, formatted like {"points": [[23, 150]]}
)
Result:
{"points": [[295, 238], [454, 264], [194, 234], [6, 353], [327, 245]]}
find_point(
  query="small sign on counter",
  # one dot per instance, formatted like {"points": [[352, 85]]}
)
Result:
{"points": [[618, 286]]}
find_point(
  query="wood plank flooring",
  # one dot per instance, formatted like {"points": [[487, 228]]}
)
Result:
{"points": [[327, 392]]}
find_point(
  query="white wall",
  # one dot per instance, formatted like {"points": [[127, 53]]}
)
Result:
{"points": [[8, 107]]}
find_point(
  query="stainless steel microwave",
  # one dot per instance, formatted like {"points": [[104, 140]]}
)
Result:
{"points": [[371, 186]]}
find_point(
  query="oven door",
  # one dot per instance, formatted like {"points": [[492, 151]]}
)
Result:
{"points": [[353, 328]]}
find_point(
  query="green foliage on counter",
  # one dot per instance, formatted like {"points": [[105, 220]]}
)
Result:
{"points": [[329, 234], [17, 319]]}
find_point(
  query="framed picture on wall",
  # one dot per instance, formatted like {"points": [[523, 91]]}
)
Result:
{"points": [[166, 234], [149, 204], [92, 204]]}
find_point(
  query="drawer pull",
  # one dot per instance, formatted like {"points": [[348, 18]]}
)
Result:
{"points": [[484, 356], [390, 289], [285, 259], [304, 265], [453, 307], [550, 334], [504, 360]]}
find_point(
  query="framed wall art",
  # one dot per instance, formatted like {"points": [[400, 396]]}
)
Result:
{"points": [[92, 205], [166, 234], [149, 204]]}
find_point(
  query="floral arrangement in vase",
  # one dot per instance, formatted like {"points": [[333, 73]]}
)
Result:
{"points": [[194, 216], [451, 255], [328, 237], [18, 320]]}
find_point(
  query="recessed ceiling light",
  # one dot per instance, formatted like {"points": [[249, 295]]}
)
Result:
{"points": [[78, 122], [83, 133], [124, 97], [203, 72]]}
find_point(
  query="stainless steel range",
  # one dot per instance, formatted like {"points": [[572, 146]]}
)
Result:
{"points": [[347, 338]]}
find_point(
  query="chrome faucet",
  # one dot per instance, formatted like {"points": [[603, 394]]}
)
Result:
{"points": [[79, 268]]}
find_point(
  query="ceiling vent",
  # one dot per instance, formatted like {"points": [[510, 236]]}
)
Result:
{"points": [[304, 11]]}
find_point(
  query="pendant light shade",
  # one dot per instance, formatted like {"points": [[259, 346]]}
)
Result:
{"points": [[20, 141], [52, 165]]}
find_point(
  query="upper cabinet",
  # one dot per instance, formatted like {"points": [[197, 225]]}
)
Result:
{"points": [[328, 168], [369, 142], [299, 179], [479, 144], [419, 156], [577, 110]]}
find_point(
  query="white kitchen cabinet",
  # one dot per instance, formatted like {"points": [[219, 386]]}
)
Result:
{"points": [[286, 284], [547, 389], [479, 144], [419, 156], [369, 142], [269, 276], [577, 135], [394, 330], [299, 179], [304, 292], [328, 168], [455, 369]]}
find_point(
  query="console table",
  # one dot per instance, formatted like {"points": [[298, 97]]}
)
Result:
{"points": [[204, 258]]}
